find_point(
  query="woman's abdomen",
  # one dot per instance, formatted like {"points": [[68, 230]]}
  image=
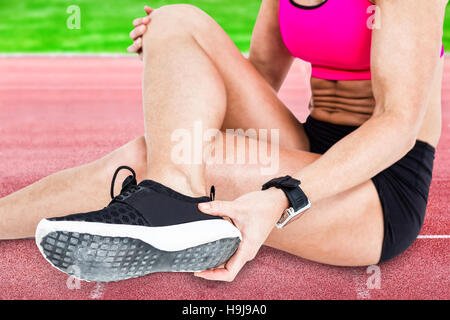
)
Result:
{"points": [[352, 103], [341, 102]]}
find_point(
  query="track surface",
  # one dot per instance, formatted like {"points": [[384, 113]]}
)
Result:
{"points": [[61, 112]]}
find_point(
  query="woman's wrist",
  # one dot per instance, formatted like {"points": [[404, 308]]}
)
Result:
{"points": [[277, 201]]}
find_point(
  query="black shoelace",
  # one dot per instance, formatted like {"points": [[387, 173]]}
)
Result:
{"points": [[212, 193], [129, 185]]}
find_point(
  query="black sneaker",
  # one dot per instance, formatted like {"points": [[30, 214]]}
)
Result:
{"points": [[147, 228]]}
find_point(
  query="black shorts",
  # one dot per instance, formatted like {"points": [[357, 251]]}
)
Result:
{"points": [[402, 188]]}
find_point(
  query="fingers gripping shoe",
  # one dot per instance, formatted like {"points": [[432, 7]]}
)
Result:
{"points": [[147, 228]]}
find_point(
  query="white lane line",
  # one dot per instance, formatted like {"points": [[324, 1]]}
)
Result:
{"points": [[68, 55], [54, 88], [433, 237]]}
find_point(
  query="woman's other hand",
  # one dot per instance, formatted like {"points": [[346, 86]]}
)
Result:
{"points": [[140, 27]]}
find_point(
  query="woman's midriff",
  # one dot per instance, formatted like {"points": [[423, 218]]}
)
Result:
{"points": [[352, 103]]}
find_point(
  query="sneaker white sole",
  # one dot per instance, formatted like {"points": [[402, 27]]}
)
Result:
{"points": [[109, 252]]}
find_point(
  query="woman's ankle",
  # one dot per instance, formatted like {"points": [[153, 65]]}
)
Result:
{"points": [[186, 182]]}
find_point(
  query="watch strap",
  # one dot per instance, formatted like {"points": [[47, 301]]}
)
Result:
{"points": [[291, 187]]}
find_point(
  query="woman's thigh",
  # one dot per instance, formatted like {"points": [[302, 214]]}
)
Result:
{"points": [[251, 102], [345, 230]]}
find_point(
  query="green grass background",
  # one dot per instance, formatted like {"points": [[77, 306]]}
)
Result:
{"points": [[40, 25]]}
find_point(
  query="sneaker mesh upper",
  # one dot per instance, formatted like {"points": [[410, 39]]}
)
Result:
{"points": [[116, 213]]}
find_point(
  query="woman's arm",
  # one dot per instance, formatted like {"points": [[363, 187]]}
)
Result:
{"points": [[267, 51], [405, 56]]}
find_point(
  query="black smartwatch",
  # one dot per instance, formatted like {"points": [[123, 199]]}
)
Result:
{"points": [[297, 198]]}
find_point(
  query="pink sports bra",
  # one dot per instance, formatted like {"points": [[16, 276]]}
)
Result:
{"points": [[333, 36]]}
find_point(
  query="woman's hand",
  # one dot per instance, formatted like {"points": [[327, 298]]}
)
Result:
{"points": [[140, 26], [254, 214]]}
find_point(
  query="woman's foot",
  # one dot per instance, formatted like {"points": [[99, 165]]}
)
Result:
{"points": [[147, 228]]}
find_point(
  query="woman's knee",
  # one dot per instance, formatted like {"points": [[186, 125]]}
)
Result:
{"points": [[176, 20], [178, 10]]}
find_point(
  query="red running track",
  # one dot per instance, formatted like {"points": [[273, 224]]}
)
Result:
{"points": [[56, 113]]}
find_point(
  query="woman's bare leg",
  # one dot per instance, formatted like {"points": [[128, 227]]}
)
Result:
{"points": [[182, 89], [80, 189]]}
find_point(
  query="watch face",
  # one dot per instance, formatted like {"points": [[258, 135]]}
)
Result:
{"points": [[289, 215], [284, 217]]}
